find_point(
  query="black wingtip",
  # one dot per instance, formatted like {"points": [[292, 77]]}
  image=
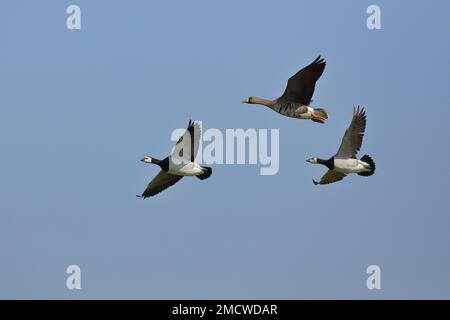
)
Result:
{"points": [[358, 110], [191, 124], [319, 60], [315, 182]]}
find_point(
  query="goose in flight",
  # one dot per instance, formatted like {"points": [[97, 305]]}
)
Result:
{"points": [[298, 94], [345, 161], [178, 164]]}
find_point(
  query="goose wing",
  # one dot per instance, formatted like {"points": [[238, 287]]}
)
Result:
{"points": [[353, 137], [300, 87], [161, 182], [187, 146], [330, 177]]}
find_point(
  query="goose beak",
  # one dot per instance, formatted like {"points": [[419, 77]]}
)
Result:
{"points": [[143, 159]]}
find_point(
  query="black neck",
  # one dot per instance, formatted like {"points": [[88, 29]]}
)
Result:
{"points": [[163, 164], [327, 163]]}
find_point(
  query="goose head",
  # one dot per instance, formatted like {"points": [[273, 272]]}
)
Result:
{"points": [[147, 159], [313, 160], [249, 100]]}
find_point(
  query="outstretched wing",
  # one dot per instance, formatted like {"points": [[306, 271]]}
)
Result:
{"points": [[187, 146], [300, 87], [353, 137], [161, 182], [330, 177]]}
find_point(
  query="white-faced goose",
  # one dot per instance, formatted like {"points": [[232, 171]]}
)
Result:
{"points": [[298, 94], [178, 164], [345, 162]]}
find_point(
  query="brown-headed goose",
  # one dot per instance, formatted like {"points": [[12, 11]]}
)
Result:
{"points": [[345, 162], [178, 164], [298, 94]]}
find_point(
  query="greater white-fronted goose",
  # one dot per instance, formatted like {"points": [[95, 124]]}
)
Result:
{"points": [[298, 94], [178, 164], [344, 161]]}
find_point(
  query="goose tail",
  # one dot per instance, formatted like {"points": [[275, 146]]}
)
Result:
{"points": [[319, 115], [367, 159], [207, 171]]}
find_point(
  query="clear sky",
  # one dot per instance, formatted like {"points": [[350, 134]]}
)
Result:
{"points": [[79, 109]]}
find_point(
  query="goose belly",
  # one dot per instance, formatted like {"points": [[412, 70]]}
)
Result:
{"points": [[350, 166], [305, 115], [185, 168], [293, 110]]}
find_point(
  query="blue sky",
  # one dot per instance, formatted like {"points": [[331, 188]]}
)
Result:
{"points": [[78, 109]]}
